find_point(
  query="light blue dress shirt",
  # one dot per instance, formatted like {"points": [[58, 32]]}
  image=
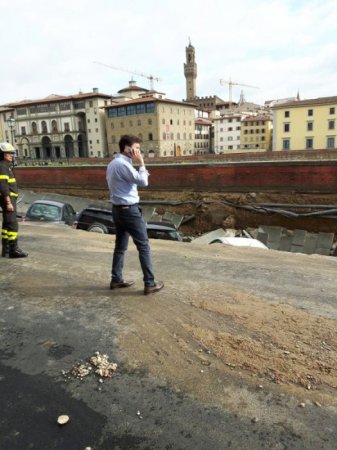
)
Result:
{"points": [[123, 180]]}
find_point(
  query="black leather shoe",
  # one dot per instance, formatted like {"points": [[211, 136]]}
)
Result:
{"points": [[120, 284], [152, 289]]}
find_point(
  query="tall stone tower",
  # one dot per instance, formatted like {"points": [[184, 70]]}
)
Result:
{"points": [[190, 71]]}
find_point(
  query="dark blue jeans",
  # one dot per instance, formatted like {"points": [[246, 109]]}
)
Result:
{"points": [[129, 222]]}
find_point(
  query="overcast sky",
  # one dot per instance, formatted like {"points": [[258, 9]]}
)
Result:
{"points": [[280, 46]]}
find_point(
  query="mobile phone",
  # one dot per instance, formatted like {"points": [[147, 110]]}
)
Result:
{"points": [[129, 150]]}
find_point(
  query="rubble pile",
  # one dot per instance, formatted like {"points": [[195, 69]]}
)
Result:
{"points": [[80, 370], [104, 368], [98, 364]]}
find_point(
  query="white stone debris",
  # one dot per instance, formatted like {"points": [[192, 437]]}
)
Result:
{"points": [[62, 420], [104, 368], [98, 364]]}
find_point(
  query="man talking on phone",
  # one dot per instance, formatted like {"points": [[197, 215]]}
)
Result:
{"points": [[123, 181]]}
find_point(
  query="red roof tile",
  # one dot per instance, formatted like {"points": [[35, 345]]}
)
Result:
{"points": [[309, 102], [256, 118], [147, 100], [58, 98]]}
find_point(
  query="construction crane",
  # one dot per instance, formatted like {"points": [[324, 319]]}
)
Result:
{"points": [[151, 78], [230, 85]]}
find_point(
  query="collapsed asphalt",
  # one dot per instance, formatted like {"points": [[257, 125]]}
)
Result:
{"points": [[57, 310]]}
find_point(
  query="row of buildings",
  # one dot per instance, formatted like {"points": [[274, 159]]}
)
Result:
{"points": [[90, 124]]}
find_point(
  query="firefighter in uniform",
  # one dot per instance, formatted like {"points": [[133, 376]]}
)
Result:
{"points": [[8, 197]]}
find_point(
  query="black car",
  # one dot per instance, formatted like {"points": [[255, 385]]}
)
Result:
{"points": [[50, 211], [163, 230], [95, 218], [100, 220]]}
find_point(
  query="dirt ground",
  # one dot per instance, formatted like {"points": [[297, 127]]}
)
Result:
{"points": [[229, 331], [249, 333], [230, 326]]}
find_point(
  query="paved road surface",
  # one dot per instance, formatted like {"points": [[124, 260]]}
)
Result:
{"points": [[169, 390]]}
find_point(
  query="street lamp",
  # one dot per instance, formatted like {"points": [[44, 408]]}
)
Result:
{"points": [[11, 124]]}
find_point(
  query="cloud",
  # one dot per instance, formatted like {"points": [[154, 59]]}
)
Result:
{"points": [[278, 45]]}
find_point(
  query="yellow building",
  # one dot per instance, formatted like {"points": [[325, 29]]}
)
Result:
{"points": [[305, 124], [166, 127], [256, 133]]}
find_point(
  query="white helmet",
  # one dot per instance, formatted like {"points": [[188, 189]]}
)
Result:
{"points": [[6, 147]]}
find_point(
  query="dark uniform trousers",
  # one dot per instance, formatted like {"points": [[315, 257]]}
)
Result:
{"points": [[9, 232], [9, 221]]}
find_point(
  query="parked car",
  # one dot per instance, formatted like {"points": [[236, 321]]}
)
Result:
{"points": [[95, 218], [50, 211], [163, 230], [100, 220], [239, 242]]}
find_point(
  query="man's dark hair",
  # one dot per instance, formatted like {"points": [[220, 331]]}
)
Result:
{"points": [[127, 141]]}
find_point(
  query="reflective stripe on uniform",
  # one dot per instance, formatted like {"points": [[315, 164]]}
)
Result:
{"points": [[4, 234], [12, 235], [4, 177], [13, 194], [11, 180]]}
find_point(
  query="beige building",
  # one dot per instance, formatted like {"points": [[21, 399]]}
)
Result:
{"points": [[210, 103], [227, 133], [202, 138], [130, 92], [6, 124], [256, 133], [165, 126], [305, 124], [59, 127]]}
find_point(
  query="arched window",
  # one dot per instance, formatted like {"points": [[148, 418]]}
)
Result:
{"points": [[44, 126], [69, 146], [34, 128], [54, 126]]}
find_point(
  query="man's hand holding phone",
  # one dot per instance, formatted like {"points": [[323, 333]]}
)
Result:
{"points": [[135, 155]]}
